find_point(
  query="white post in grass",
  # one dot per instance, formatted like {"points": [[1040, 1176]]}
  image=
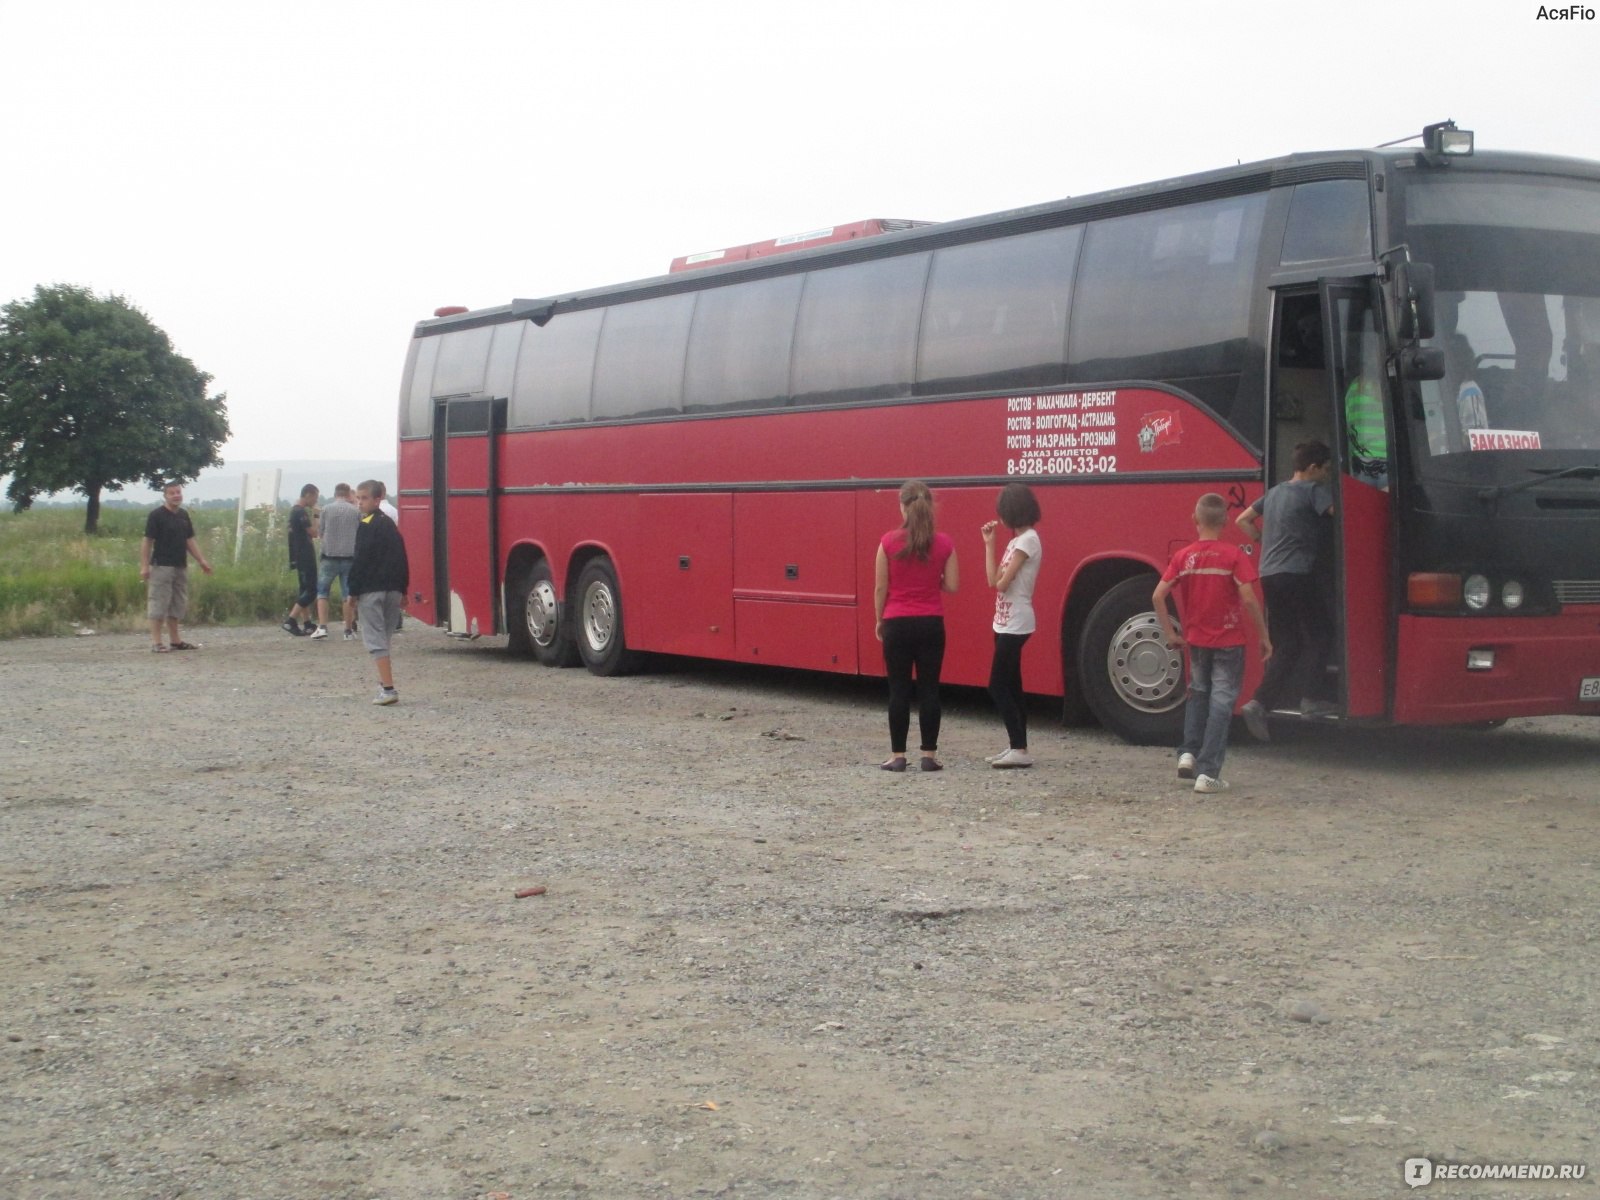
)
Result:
{"points": [[256, 489]]}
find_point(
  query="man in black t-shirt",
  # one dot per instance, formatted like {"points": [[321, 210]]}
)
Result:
{"points": [[163, 562], [303, 561]]}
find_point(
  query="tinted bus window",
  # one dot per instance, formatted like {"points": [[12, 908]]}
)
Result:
{"points": [[1327, 220], [996, 313], [503, 358], [1166, 295], [739, 345], [463, 359], [857, 334], [416, 416], [555, 367], [639, 370]]}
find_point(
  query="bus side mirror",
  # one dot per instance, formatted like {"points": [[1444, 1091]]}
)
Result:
{"points": [[1413, 296], [1422, 362]]}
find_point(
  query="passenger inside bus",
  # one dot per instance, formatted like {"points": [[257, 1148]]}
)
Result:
{"points": [[1361, 366]]}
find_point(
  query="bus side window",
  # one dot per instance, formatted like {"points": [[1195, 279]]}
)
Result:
{"points": [[740, 344], [638, 370], [1329, 219], [996, 313], [856, 338], [1167, 295], [555, 367]]}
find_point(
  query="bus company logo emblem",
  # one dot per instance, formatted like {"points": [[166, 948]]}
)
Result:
{"points": [[1159, 429]]}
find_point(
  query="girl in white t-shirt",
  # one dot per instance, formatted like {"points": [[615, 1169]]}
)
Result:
{"points": [[1012, 578]]}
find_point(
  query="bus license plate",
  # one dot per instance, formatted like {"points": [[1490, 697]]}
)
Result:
{"points": [[1589, 689]]}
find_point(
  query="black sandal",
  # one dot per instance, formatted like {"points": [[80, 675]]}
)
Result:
{"points": [[930, 763], [894, 764]]}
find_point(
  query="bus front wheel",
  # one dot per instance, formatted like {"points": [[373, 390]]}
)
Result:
{"points": [[599, 631], [537, 625], [1132, 680]]}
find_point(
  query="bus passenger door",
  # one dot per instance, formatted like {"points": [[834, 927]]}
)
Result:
{"points": [[1359, 390], [1327, 338], [464, 501]]}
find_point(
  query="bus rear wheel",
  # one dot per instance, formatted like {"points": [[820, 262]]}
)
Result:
{"points": [[599, 633], [1132, 680], [537, 626]]}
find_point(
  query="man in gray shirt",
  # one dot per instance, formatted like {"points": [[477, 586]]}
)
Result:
{"points": [[339, 522], [1293, 514]]}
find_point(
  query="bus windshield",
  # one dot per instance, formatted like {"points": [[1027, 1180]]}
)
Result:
{"points": [[1517, 264]]}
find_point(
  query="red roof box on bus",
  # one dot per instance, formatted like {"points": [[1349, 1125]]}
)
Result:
{"points": [[794, 241]]}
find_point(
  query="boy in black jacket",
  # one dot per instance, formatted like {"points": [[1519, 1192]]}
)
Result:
{"points": [[379, 577]]}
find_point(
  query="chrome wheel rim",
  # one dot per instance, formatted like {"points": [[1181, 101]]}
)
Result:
{"points": [[599, 617], [1145, 672], [543, 612]]}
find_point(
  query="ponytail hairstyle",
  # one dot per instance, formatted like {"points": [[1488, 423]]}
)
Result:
{"points": [[917, 500]]}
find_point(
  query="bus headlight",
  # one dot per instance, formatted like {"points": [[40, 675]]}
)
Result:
{"points": [[1476, 592], [1511, 594]]}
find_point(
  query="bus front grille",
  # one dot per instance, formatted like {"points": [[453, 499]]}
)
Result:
{"points": [[1578, 591]]}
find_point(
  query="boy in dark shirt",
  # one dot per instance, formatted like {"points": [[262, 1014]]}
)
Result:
{"points": [[1212, 579], [1293, 514], [379, 577], [303, 561]]}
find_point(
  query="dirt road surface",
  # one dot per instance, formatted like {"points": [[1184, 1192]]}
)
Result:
{"points": [[261, 940]]}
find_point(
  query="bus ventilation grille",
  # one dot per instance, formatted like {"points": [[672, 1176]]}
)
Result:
{"points": [[1578, 591]]}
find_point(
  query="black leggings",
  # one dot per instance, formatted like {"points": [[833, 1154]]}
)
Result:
{"points": [[1005, 686], [913, 643]]}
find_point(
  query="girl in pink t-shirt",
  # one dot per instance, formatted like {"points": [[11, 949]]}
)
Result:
{"points": [[916, 565]]}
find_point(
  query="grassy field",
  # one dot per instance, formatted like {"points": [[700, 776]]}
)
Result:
{"points": [[55, 579]]}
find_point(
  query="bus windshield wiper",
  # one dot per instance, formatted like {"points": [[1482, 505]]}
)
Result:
{"points": [[1505, 489]]}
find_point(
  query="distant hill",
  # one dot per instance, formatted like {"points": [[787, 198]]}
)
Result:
{"points": [[222, 483]]}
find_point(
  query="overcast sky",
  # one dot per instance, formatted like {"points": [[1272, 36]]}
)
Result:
{"points": [[287, 190]]}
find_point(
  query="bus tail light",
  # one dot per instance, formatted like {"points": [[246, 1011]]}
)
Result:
{"points": [[1433, 590]]}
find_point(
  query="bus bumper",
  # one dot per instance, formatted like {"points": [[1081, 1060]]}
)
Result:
{"points": [[1540, 665]]}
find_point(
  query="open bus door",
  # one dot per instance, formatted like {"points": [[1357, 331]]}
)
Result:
{"points": [[1328, 360], [1365, 547], [465, 487]]}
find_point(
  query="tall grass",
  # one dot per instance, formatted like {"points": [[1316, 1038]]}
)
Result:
{"points": [[54, 577]]}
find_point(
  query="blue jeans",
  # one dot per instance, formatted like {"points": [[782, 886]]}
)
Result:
{"points": [[332, 568], [1215, 675]]}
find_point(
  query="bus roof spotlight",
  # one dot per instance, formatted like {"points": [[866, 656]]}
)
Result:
{"points": [[1444, 138]]}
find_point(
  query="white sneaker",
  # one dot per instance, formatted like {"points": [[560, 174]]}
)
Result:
{"points": [[1207, 785], [1012, 758], [1185, 766], [387, 696], [994, 758], [1255, 720], [322, 632]]}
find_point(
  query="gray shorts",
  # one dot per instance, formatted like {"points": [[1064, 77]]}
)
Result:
{"points": [[380, 615], [169, 594]]}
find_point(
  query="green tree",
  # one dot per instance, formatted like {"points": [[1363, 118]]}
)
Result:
{"points": [[93, 396]]}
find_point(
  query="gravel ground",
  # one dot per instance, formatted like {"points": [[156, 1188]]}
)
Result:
{"points": [[260, 939]]}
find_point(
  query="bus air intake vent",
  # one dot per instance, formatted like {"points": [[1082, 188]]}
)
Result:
{"points": [[1578, 591]]}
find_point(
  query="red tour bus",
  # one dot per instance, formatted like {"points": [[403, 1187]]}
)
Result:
{"points": [[702, 463]]}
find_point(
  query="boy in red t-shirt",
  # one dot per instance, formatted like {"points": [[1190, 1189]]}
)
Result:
{"points": [[1213, 581]]}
